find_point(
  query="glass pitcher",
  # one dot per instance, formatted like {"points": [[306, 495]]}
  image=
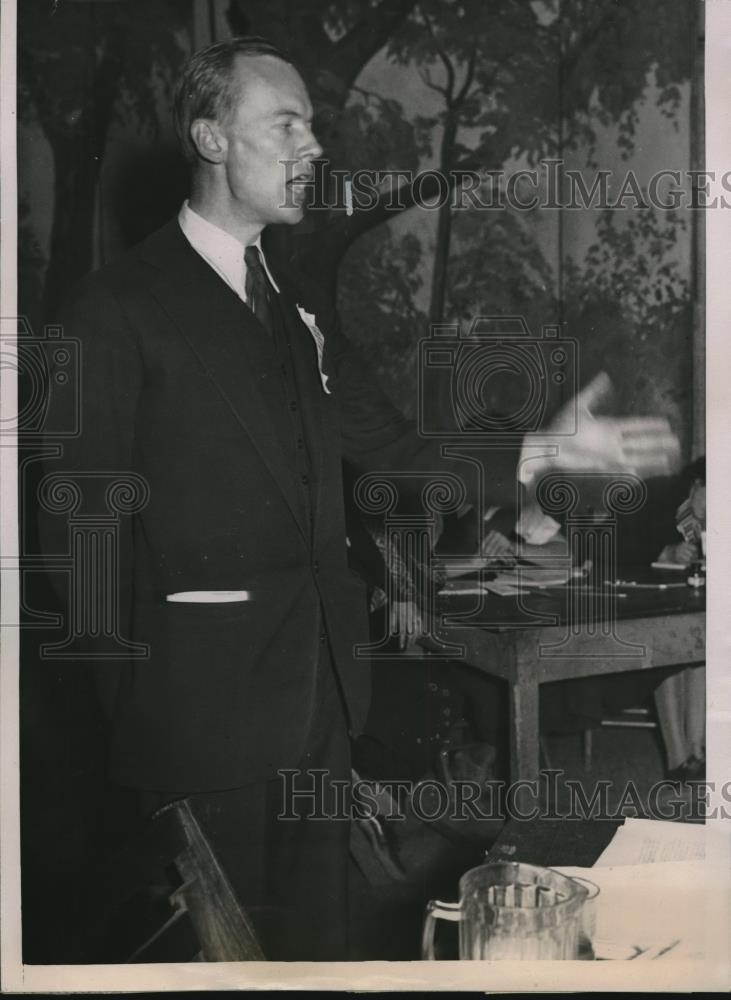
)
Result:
{"points": [[511, 910]]}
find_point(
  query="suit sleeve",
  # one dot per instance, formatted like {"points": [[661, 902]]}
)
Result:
{"points": [[378, 437]]}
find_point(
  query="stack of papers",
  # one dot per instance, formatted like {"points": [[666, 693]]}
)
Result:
{"points": [[658, 896], [663, 910], [649, 841]]}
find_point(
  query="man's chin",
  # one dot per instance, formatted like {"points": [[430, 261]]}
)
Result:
{"points": [[289, 215]]}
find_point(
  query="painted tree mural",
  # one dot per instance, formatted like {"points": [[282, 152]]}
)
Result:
{"points": [[493, 84], [82, 67]]}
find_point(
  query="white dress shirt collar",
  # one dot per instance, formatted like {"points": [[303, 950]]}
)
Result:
{"points": [[222, 251]]}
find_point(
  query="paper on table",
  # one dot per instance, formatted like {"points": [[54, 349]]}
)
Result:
{"points": [[464, 590], [503, 589], [535, 576], [661, 906], [472, 585], [649, 841], [507, 582]]}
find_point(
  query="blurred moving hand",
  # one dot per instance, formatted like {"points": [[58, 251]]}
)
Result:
{"points": [[584, 442]]}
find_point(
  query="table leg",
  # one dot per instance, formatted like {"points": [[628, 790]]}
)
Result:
{"points": [[524, 743]]}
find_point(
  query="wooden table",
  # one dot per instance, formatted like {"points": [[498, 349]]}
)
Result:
{"points": [[570, 632]]}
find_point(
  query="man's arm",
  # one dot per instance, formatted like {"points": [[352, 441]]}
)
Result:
{"points": [[378, 437]]}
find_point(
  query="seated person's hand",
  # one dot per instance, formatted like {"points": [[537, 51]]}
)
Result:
{"points": [[557, 548], [683, 553], [496, 549]]}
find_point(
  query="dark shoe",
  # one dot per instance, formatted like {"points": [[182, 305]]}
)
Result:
{"points": [[692, 769], [698, 768]]}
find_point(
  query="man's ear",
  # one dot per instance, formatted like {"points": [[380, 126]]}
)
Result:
{"points": [[208, 140]]}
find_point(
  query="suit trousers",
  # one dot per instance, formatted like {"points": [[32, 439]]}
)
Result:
{"points": [[283, 844], [286, 855]]}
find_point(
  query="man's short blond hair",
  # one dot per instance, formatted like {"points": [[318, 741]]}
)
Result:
{"points": [[204, 89]]}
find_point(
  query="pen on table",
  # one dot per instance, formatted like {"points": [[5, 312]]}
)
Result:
{"points": [[668, 947], [656, 951]]}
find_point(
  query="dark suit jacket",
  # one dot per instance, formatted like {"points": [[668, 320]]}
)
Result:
{"points": [[177, 386]]}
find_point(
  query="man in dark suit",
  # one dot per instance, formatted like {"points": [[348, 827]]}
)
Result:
{"points": [[231, 393]]}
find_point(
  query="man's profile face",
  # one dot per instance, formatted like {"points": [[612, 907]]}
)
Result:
{"points": [[270, 145]]}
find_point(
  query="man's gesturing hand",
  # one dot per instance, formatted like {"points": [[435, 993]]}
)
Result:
{"points": [[645, 446]]}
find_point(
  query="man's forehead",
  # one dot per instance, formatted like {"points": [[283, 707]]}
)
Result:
{"points": [[268, 84]]}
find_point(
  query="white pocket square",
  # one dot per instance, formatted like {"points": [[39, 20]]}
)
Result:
{"points": [[209, 596]]}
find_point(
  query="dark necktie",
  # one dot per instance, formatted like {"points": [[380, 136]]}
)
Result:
{"points": [[257, 288]]}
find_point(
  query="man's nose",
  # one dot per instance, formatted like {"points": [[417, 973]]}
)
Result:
{"points": [[311, 148]]}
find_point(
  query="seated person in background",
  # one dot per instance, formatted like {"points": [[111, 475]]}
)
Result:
{"points": [[419, 706], [680, 699], [565, 706], [505, 536], [667, 529], [690, 519], [668, 526]]}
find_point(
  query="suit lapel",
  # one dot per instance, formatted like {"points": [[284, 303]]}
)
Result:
{"points": [[227, 340], [327, 445], [299, 332]]}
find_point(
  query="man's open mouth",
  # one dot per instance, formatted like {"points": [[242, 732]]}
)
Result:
{"points": [[302, 181]]}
